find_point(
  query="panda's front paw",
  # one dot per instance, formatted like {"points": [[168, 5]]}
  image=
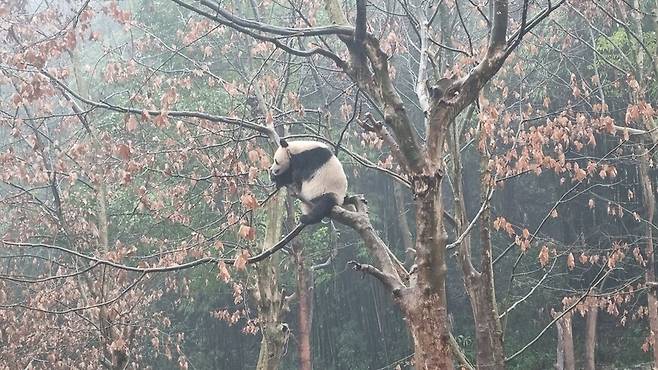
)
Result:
{"points": [[309, 220]]}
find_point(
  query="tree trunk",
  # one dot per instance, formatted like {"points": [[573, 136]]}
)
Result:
{"points": [[119, 360], [270, 300], [488, 332], [305, 301], [650, 273], [653, 316], [559, 363], [272, 346], [425, 306], [590, 337], [566, 357], [480, 285], [405, 233], [423, 301], [427, 320]]}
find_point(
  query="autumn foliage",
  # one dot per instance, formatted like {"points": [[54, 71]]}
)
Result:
{"points": [[135, 140]]}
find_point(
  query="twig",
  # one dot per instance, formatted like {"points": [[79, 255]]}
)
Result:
{"points": [[599, 277]]}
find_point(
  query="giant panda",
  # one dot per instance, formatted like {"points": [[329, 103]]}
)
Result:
{"points": [[313, 174]]}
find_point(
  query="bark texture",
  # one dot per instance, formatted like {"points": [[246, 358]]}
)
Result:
{"points": [[426, 318], [425, 305], [650, 272], [590, 337], [405, 233], [305, 302], [270, 300], [565, 352]]}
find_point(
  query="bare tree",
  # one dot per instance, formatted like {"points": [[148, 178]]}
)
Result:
{"points": [[448, 73], [421, 294]]}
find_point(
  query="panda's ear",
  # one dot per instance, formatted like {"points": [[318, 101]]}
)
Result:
{"points": [[283, 143]]}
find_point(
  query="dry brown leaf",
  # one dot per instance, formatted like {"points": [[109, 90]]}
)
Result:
{"points": [[131, 123], [543, 256], [123, 151], [247, 232], [571, 261], [241, 260], [249, 201], [223, 272]]}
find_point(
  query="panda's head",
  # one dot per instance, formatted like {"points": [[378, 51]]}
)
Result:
{"points": [[281, 159]]}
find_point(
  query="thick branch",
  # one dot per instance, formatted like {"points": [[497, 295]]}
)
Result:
{"points": [[498, 34], [269, 28], [395, 114], [469, 86], [360, 27], [360, 222], [371, 73], [421, 83]]}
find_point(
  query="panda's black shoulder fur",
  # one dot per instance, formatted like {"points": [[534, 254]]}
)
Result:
{"points": [[305, 164]]}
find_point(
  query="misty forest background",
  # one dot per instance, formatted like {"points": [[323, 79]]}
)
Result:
{"points": [[135, 138]]}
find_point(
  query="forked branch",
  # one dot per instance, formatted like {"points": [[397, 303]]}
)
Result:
{"points": [[390, 266]]}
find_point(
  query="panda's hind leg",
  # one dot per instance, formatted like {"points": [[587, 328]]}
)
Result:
{"points": [[321, 207]]}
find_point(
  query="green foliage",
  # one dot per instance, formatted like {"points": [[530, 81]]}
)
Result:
{"points": [[620, 48], [352, 353]]}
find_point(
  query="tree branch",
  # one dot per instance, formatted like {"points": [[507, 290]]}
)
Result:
{"points": [[388, 280], [516, 38], [249, 27], [514, 42], [360, 27], [499, 27], [154, 113], [360, 222], [77, 309], [264, 27], [532, 290], [47, 278], [395, 114], [377, 127], [599, 277], [473, 221], [422, 80], [150, 270]]}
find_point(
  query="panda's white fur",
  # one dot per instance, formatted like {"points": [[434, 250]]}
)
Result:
{"points": [[313, 174]]}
